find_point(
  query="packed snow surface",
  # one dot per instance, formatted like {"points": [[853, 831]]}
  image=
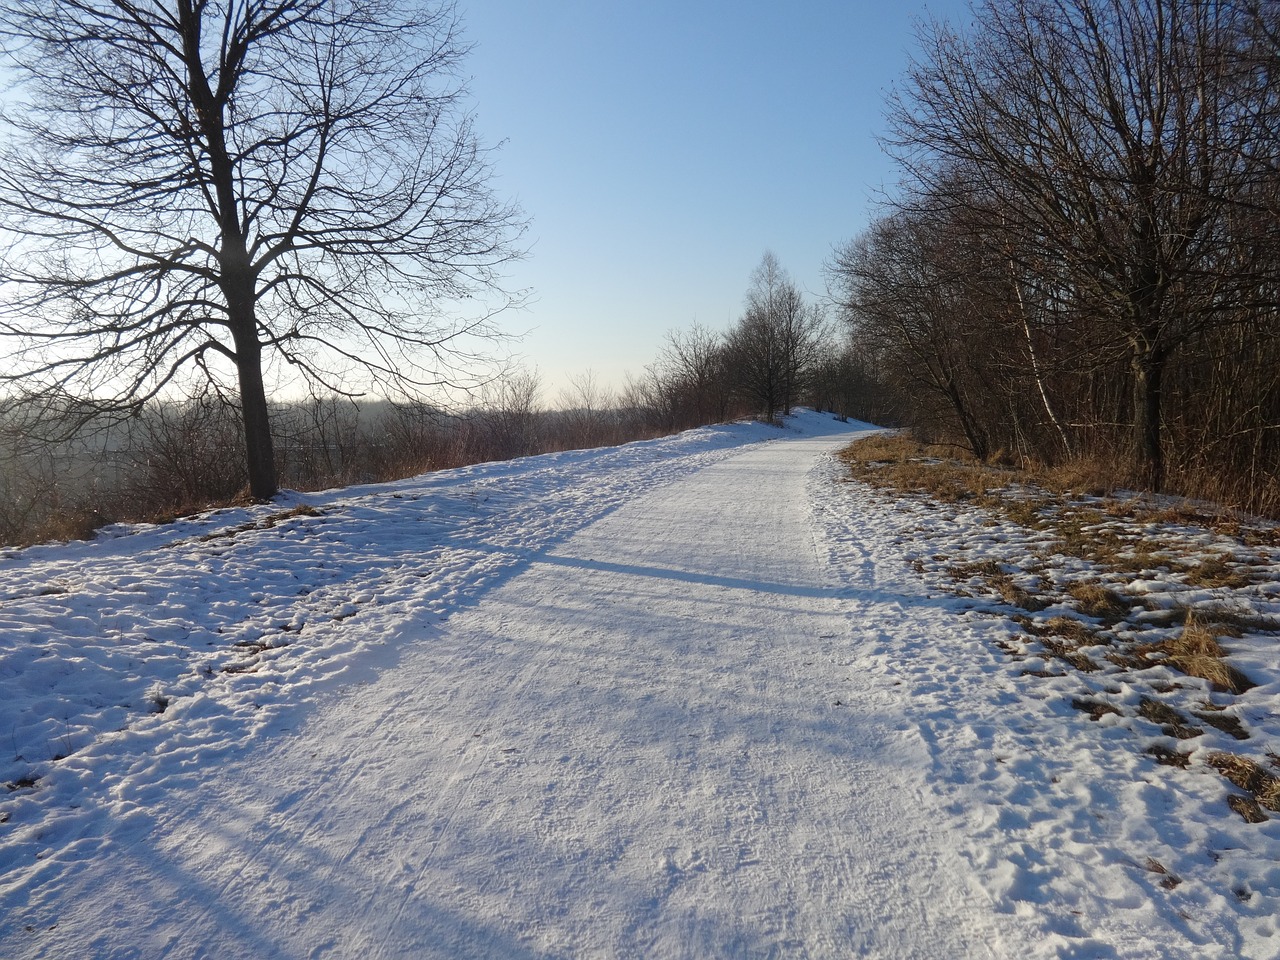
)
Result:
{"points": [[681, 698]]}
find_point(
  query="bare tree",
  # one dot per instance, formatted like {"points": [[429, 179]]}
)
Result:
{"points": [[1099, 136], [692, 364], [906, 291], [509, 415], [192, 187], [586, 411], [774, 346]]}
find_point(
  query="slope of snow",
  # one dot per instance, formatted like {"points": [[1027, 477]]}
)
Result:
{"points": [[679, 698]]}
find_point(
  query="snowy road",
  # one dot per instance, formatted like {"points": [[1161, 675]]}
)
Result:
{"points": [[634, 748], [653, 739], [691, 697]]}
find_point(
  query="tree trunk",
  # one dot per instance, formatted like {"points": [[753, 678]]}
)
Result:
{"points": [[1035, 364], [259, 448], [976, 436], [1148, 382]]}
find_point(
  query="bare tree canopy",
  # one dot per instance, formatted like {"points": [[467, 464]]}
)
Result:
{"points": [[1107, 136], [1081, 264], [199, 186]]}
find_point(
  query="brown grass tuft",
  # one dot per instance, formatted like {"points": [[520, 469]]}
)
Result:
{"points": [[1096, 709], [1089, 477], [1170, 758], [1071, 629], [898, 462], [265, 523], [898, 448], [1248, 775], [1248, 808], [1196, 652], [1170, 720], [1215, 716], [1095, 600], [1016, 595], [984, 570], [1218, 570], [1068, 654], [1170, 880]]}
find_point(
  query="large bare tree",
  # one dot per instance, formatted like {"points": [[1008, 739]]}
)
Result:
{"points": [[196, 187]]}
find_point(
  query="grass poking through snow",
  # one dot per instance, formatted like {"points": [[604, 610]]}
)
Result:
{"points": [[1137, 590], [1196, 652]]}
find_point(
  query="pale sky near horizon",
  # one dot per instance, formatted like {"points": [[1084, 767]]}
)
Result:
{"points": [[660, 148]]}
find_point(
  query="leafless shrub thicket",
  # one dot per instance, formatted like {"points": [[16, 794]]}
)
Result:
{"points": [[1082, 261], [175, 458]]}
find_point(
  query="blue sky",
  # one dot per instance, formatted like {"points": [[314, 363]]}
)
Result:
{"points": [[659, 148]]}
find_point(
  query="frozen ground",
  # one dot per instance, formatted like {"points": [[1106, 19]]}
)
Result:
{"points": [[686, 698]]}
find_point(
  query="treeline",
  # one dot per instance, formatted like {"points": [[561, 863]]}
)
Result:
{"points": [[778, 354], [1083, 260], [176, 457]]}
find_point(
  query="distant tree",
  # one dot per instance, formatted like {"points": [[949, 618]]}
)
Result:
{"points": [[774, 346], [907, 295], [852, 381], [587, 411], [693, 365], [197, 186], [509, 415]]}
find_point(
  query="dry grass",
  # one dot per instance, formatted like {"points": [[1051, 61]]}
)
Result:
{"points": [[1095, 600], [1118, 537], [1171, 722], [1197, 653], [1248, 808], [1016, 595], [1068, 654], [899, 448], [982, 570], [80, 524], [1248, 775], [1088, 477], [1219, 570], [1071, 629], [900, 463], [1027, 512], [1143, 557], [1170, 758], [992, 574], [265, 523], [1170, 880], [1096, 709], [1062, 638], [1216, 717]]}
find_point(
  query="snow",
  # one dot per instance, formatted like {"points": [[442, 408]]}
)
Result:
{"points": [[693, 697]]}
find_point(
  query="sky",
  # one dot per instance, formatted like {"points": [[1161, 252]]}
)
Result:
{"points": [[659, 149]]}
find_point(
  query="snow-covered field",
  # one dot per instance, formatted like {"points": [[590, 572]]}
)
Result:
{"points": [[689, 697]]}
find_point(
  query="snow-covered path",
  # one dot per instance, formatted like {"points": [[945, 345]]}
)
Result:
{"points": [[691, 697], [655, 740]]}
